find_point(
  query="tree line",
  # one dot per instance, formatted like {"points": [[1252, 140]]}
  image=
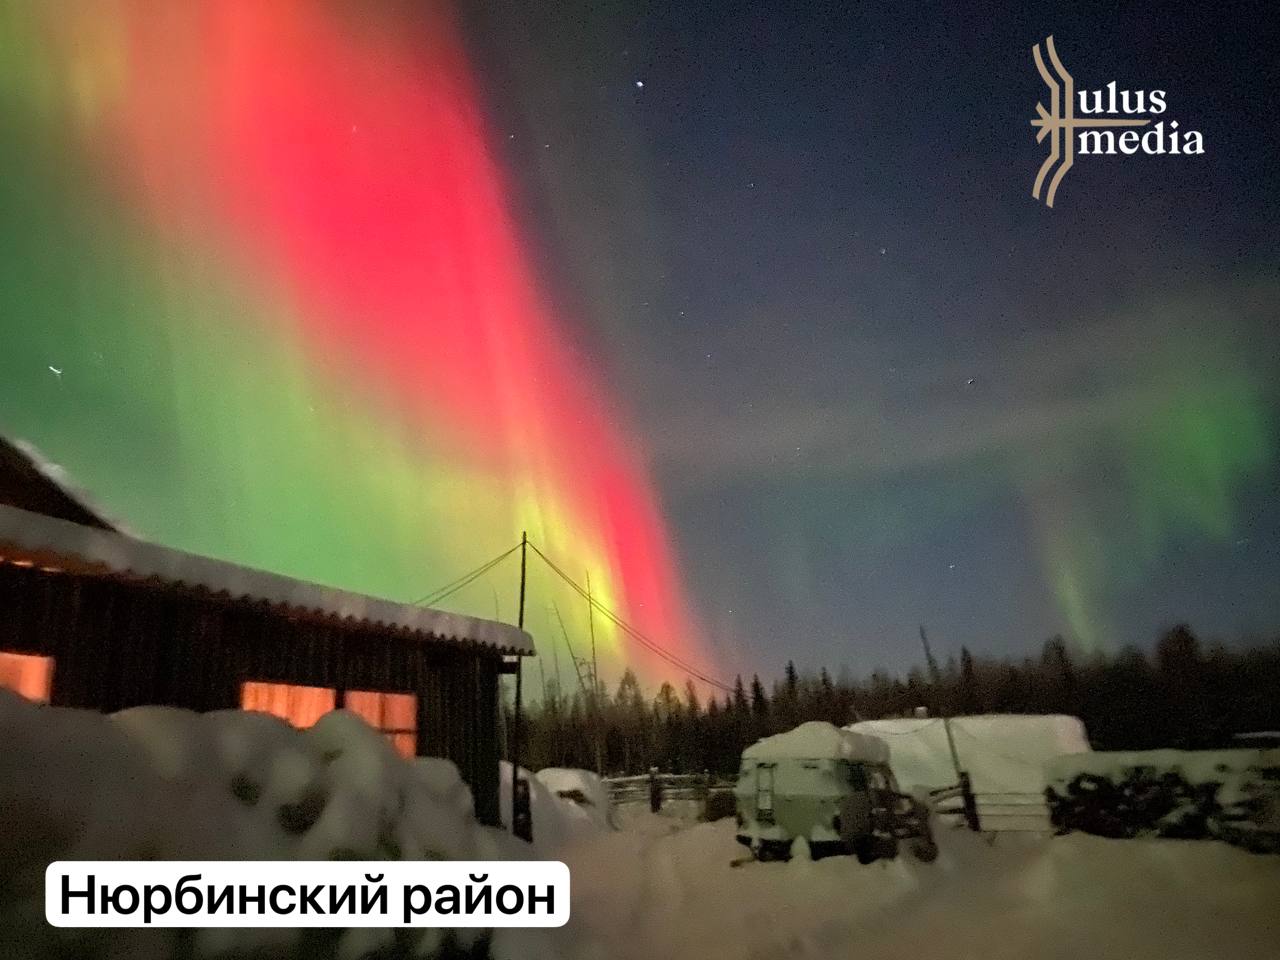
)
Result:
{"points": [[1181, 695]]}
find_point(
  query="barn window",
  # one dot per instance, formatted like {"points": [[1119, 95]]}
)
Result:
{"points": [[301, 706], [26, 674], [394, 714]]}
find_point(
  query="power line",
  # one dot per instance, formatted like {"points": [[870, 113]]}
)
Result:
{"points": [[631, 631], [627, 628], [453, 586]]}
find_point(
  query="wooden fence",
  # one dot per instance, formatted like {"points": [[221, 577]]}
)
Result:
{"points": [[1002, 812], [658, 789], [1007, 812]]}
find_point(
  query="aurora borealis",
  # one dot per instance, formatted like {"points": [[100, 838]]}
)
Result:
{"points": [[748, 316], [880, 386], [273, 308]]}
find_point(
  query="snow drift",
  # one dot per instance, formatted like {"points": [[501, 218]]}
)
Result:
{"points": [[584, 788], [660, 891], [556, 821], [167, 784]]}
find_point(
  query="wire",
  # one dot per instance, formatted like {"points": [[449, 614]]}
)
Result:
{"points": [[453, 586], [631, 631]]}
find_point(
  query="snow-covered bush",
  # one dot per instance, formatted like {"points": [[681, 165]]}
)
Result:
{"points": [[167, 784]]}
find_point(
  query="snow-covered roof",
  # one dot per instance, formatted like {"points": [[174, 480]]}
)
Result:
{"points": [[816, 740], [31, 481], [60, 544]]}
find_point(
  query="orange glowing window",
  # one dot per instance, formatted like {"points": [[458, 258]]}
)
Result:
{"points": [[28, 675], [395, 714], [301, 706]]}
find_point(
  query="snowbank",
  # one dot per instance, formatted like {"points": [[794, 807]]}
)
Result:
{"points": [[816, 740], [168, 784], [555, 821], [1003, 753], [582, 787], [658, 892]]}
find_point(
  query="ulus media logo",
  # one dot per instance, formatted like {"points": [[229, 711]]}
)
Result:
{"points": [[1106, 121]]}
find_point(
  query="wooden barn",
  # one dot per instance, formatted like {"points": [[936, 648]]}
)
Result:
{"points": [[92, 617]]}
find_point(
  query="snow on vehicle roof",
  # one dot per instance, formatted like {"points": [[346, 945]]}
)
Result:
{"points": [[819, 741]]}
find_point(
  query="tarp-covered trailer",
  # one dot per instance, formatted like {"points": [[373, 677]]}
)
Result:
{"points": [[834, 788]]}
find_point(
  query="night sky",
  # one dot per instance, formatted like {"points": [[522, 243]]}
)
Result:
{"points": [[746, 312], [878, 383]]}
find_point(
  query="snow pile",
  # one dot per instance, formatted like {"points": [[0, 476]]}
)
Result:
{"points": [[657, 892], [817, 740], [1003, 753], [168, 784], [555, 821], [583, 788]]}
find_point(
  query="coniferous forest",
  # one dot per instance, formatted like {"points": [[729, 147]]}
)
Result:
{"points": [[1183, 694]]}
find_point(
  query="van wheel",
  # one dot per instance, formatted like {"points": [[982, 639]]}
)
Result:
{"points": [[864, 849], [773, 850], [825, 848], [924, 849]]}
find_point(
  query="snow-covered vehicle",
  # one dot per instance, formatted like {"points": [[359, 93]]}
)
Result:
{"points": [[832, 787]]}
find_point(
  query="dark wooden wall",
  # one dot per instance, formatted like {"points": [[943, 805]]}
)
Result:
{"points": [[120, 643]]}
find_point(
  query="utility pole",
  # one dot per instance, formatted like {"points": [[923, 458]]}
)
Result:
{"points": [[542, 675], [595, 679], [936, 676], [521, 814], [966, 787], [555, 654], [579, 665]]}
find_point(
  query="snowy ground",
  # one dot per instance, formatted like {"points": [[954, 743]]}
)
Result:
{"points": [[662, 889], [168, 784]]}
